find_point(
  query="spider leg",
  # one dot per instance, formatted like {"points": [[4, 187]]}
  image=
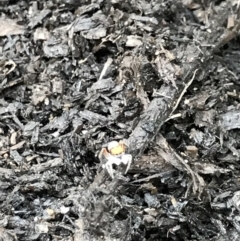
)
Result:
{"points": [[127, 161], [123, 145], [109, 168], [109, 165], [103, 154]]}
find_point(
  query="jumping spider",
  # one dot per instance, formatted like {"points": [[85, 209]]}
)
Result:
{"points": [[115, 154]]}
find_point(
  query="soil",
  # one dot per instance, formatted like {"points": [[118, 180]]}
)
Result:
{"points": [[161, 77]]}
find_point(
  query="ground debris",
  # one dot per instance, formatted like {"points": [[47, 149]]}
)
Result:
{"points": [[10, 27], [230, 120], [160, 75]]}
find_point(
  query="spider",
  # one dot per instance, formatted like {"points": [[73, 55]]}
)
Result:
{"points": [[115, 154]]}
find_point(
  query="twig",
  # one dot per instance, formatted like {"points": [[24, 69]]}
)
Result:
{"points": [[184, 91]]}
